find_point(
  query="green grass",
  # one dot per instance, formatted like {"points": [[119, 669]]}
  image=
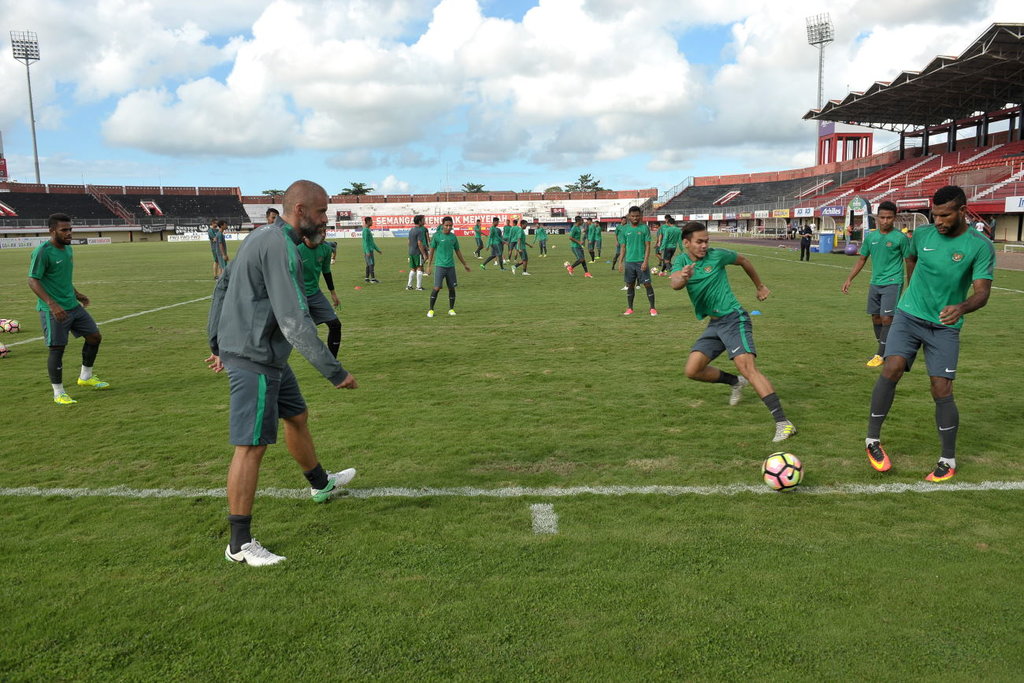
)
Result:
{"points": [[538, 382]]}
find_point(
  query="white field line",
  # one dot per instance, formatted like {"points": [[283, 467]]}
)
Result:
{"points": [[124, 317], [545, 521], [829, 265], [525, 492]]}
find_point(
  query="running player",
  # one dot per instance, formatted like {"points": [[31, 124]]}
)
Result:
{"points": [[369, 246], [524, 256], [315, 254], [670, 236], [701, 270], [494, 241], [478, 237], [576, 237], [442, 248], [418, 251], [946, 260], [636, 245], [888, 249], [257, 316], [62, 308]]}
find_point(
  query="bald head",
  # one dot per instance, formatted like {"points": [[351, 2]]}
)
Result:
{"points": [[305, 208]]}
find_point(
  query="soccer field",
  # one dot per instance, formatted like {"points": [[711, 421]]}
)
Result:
{"points": [[541, 492]]}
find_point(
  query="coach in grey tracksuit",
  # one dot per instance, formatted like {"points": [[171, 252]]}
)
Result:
{"points": [[259, 313]]}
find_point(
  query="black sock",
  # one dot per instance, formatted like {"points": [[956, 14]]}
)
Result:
{"points": [[727, 378], [451, 299], [650, 295], [316, 477], [54, 364], [630, 293], [240, 534], [774, 407], [367, 272], [89, 352], [883, 334], [591, 254], [881, 401], [433, 298], [947, 420], [878, 332], [334, 336], [583, 262]]}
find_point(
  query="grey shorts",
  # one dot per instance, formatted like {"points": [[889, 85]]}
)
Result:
{"points": [[732, 332], [496, 251], [368, 258], [258, 401], [78, 323], [577, 250], [320, 309], [941, 344], [882, 299], [634, 274], [443, 274], [668, 254]]}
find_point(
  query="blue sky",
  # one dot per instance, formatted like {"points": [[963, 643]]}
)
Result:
{"points": [[424, 95]]}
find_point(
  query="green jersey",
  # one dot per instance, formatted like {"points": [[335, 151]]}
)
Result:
{"points": [[369, 246], [670, 236], [494, 238], [946, 267], [576, 233], [708, 287], [593, 231], [477, 231], [53, 267], [512, 234], [619, 227], [444, 247], [659, 238], [541, 233], [887, 251], [635, 238], [314, 262]]}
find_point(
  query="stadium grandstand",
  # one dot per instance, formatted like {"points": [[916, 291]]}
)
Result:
{"points": [[974, 138]]}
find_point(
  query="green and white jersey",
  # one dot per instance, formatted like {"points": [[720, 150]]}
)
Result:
{"points": [[946, 267], [709, 287], [369, 245], [887, 251], [53, 267], [635, 239], [494, 238], [670, 236], [619, 227], [444, 247], [314, 262], [541, 234]]}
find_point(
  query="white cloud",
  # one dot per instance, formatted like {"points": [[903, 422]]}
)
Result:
{"points": [[391, 185]]}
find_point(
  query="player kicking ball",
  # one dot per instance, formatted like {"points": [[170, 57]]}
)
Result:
{"points": [[701, 271], [946, 259]]}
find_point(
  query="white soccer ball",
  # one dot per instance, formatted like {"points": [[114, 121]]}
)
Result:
{"points": [[565, 265], [5, 325], [15, 326], [655, 271], [4, 351]]}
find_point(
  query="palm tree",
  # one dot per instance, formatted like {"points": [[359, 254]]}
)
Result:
{"points": [[357, 188], [273, 193], [472, 188]]}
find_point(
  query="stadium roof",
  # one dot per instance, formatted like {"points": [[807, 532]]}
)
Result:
{"points": [[985, 78]]}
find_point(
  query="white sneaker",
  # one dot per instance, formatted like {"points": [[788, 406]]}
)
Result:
{"points": [[625, 288], [513, 270], [430, 313], [451, 311], [783, 430], [525, 273], [334, 482], [734, 396], [254, 555]]}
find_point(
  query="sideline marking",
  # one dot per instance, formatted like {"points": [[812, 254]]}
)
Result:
{"points": [[124, 317], [545, 521], [523, 492]]}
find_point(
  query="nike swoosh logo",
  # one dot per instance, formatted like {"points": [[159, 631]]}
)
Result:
{"points": [[61, 261], [873, 415], [927, 249], [948, 370], [946, 429], [736, 349], [888, 311]]}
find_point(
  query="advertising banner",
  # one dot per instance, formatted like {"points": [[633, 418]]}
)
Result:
{"points": [[780, 213], [1014, 205], [461, 220], [833, 210], [803, 212]]}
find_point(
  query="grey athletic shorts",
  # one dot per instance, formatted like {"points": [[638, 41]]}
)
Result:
{"points": [[258, 400], [577, 251], [444, 274], [732, 332], [634, 274], [368, 258], [78, 323], [882, 299], [320, 309], [941, 344]]}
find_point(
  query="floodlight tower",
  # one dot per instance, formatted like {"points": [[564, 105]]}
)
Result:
{"points": [[820, 32], [25, 45]]}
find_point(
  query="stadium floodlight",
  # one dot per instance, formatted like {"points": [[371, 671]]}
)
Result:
{"points": [[25, 46], [820, 32]]}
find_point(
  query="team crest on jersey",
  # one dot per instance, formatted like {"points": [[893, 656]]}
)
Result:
{"points": [[957, 257], [888, 244], [708, 269]]}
